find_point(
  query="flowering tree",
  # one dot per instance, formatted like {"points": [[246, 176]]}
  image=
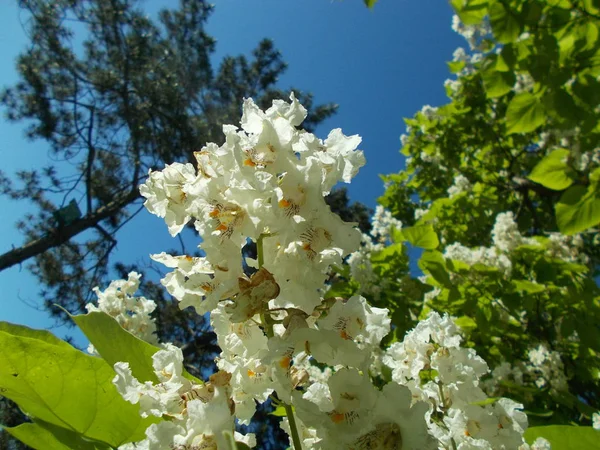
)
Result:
{"points": [[324, 321]]}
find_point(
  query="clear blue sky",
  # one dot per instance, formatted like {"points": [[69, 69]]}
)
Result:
{"points": [[379, 66]]}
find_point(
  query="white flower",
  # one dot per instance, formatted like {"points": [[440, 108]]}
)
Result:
{"points": [[541, 444], [132, 313], [461, 184], [165, 196]]}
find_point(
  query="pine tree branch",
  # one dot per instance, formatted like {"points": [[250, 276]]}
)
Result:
{"points": [[65, 233]]}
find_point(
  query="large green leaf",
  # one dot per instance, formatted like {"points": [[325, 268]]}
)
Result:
{"points": [[578, 209], [116, 344], [421, 236], [44, 436], [524, 114], [553, 171], [55, 383], [505, 24], [370, 3], [564, 437]]}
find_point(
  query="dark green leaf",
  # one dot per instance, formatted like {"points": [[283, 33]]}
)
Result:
{"points": [[505, 23]]}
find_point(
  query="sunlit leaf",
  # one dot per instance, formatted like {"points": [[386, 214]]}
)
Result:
{"points": [[525, 113], [553, 171], [64, 387], [564, 437], [578, 209]]}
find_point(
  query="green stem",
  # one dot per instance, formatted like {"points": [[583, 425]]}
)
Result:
{"points": [[259, 251], [295, 437]]}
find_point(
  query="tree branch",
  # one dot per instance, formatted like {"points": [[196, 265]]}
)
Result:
{"points": [[63, 234]]}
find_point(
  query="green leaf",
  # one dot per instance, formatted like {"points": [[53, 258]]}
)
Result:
{"points": [[456, 66], [487, 401], [497, 83], [64, 387], [279, 412], [370, 3], [116, 344], [42, 335], [532, 12], [388, 254], [505, 24], [553, 171], [578, 209], [421, 236], [471, 12], [466, 323], [434, 263], [44, 436], [527, 286], [564, 437], [524, 114]]}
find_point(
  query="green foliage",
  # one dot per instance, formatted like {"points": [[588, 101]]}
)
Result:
{"points": [[519, 134], [563, 437], [422, 236], [66, 392], [370, 3]]}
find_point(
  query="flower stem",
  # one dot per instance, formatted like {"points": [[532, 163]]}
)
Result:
{"points": [[259, 251], [293, 427]]}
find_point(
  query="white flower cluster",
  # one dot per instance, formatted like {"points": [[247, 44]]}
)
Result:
{"points": [[506, 234], [132, 313], [567, 248], [361, 267], [461, 184], [474, 34], [547, 367], [420, 212], [266, 184], [382, 224], [506, 238], [198, 414], [460, 415], [489, 256]]}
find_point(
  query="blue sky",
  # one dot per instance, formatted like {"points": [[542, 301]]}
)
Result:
{"points": [[379, 66]]}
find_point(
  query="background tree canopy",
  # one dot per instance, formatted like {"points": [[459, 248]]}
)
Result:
{"points": [[498, 173]]}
